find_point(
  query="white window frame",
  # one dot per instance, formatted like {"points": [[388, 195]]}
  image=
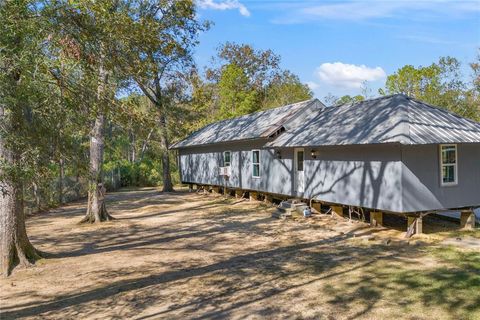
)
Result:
{"points": [[256, 163], [224, 162], [454, 165]]}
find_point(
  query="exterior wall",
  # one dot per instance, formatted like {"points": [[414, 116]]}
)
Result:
{"points": [[387, 177], [200, 165], [421, 178], [362, 175]]}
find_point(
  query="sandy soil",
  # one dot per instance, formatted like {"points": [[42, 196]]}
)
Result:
{"points": [[185, 255]]}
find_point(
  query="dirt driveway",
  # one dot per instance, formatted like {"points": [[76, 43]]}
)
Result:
{"points": [[185, 256]]}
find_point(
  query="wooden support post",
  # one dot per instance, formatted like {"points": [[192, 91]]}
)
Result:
{"points": [[419, 225], [317, 206], [410, 220], [467, 220], [376, 219], [414, 225], [253, 196], [337, 211], [268, 199], [206, 189], [190, 187], [238, 193]]}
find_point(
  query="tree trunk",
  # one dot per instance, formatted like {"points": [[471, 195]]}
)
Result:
{"points": [[145, 145], [132, 148], [77, 186], [96, 208], [167, 178], [61, 177], [15, 247], [36, 195]]}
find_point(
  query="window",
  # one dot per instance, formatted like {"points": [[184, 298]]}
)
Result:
{"points": [[448, 164], [256, 163], [226, 159], [300, 158]]}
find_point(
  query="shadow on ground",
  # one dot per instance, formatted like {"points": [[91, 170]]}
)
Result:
{"points": [[206, 258]]}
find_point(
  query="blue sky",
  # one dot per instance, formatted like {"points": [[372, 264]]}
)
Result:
{"points": [[334, 46]]}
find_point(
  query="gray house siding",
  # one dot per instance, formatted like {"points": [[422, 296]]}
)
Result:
{"points": [[367, 176], [421, 178], [388, 177], [200, 165]]}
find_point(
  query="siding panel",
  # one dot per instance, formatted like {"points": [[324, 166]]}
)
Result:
{"points": [[421, 178]]}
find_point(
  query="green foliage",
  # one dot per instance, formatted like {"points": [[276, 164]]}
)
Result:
{"points": [[28, 99], [441, 84], [284, 89], [349, 99], [235, 94], [242, 80]]}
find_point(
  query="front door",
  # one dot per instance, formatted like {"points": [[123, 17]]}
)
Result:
{"points": [[299, 170]]}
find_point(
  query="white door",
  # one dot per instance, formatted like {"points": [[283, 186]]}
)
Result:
{"points": [[299, 170]]}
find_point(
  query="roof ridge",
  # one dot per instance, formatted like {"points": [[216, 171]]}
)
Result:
{"points": [[370, 99], [262, 111]]}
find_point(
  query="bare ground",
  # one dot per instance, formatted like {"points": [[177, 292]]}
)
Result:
{"points": [[182, 255]]}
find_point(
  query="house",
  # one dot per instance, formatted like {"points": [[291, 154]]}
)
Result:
{"points": [[391, 154]]}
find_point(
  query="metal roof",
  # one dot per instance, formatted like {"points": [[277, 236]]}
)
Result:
{"points": [[256, 125], [391, 119]]}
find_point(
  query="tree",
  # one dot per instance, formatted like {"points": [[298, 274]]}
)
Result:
{"points": [[330, 99], [474, 96], [21, 93], [244, 80], [440, 84], [86, 30], [159, 43], [260, 66], [284, 89], [349, 99], [235, 95]]}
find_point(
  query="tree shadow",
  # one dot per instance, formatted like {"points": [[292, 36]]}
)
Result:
{"points": [[320, 273]]}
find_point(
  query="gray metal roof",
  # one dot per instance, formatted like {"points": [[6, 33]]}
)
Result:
{"points": [[251, 126], [390, 119]]}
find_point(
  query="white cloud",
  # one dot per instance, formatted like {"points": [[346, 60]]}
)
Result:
{"points": [[312, 85], [224, 5], [340, 74]]}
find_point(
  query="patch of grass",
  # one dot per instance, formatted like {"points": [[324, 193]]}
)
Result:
{"points": [[467, 260], [475, 233]]}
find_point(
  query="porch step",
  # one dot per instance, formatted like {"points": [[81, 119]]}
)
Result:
{"points": [[289, 208], [291, 203]]}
